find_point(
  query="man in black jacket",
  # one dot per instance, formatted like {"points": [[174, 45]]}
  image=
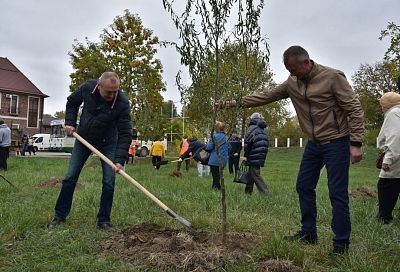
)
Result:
{"points": [[106, 124]]}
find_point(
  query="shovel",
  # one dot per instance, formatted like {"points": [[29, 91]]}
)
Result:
{"points": [[134, 182], [167, 162], [9, 182]]}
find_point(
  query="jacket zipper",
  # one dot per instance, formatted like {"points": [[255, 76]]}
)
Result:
{"points": [[309, 110], [336, 122]]}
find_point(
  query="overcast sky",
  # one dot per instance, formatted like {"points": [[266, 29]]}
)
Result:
{"points": [[37, 35]]}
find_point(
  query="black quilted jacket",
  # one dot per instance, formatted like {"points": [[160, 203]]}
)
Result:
{"points": [[101, 122]]}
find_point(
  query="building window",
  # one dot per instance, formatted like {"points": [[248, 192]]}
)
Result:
{"points": [[14, 126], [33, 112], [13, 104]]}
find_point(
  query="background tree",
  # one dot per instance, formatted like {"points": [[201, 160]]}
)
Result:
{"points": [[60, 114], [290, 128], [392, 54], [371, 81], [88, 62], [241, 72], [129, 49]]}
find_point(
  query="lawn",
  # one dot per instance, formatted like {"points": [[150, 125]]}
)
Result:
{"points": [[26, 244]]}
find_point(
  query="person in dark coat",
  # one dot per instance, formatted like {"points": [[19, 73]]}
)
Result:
{"points": [[255, 152], [234, 149], [195, 146], [24, 143], [105, 123]]}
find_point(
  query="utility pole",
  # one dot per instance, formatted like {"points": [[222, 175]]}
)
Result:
{"points": [[172, 117]]}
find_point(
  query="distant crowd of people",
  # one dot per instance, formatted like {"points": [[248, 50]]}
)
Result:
{"points": [[21, 147], [25, 146]]}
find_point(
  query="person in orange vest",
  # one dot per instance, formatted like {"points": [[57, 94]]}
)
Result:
{"points": [[157, 151], [183, 147], [131, 151]]}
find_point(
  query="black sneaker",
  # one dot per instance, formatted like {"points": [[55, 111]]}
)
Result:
{"points": [[340, 250], [385, 221], [55, 222], [304, 237], [105, 226]]}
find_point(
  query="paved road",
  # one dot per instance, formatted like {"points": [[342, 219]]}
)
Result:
{"points": [[47, 155]]}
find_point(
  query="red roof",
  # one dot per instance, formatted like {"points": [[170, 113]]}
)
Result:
{"points": [[12, 80]]}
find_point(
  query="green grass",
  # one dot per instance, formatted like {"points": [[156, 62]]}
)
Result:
{"points": [[26, 245]]}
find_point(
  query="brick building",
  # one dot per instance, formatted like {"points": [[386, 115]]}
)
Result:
{"points": [[21, 102]]}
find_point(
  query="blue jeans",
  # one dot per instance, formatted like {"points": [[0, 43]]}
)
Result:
{"points": [[336, 158], [79, 156]]}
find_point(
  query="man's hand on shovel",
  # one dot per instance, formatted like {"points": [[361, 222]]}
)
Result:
{"points": [[69, 130], [117, 167]]}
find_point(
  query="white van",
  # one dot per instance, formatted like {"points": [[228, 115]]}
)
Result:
{"points": [[41, 141]]}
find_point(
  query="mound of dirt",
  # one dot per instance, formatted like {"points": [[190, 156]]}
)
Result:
{"points": [[180, 250], [53, 182], [363, 191], [176, 174]]}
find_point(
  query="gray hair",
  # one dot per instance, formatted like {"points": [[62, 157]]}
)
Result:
{"points": [[295, 51], [109, 75], [256, 115]]}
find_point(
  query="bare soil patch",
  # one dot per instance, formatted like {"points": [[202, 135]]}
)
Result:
{"points": [[363, 191], [54, 182], [149, 245], [176, 174]]}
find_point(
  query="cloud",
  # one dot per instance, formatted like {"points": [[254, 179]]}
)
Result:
{"points": [[37, 35]]}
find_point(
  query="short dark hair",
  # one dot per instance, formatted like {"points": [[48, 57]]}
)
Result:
{"points": [[398, 83], [1, 121], [295, 51]]}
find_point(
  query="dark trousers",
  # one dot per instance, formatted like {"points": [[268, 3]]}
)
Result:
{"points": [[216, 177], [255, 178], [24, 149], [31, 150], [233, 161], [129, 156], [79, 155], [388, 193], [4, 153], [187, 163], [336, 158], [156, 161]]}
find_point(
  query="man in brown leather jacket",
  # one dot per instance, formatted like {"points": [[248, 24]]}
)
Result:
{"points": [[330, 113]]}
